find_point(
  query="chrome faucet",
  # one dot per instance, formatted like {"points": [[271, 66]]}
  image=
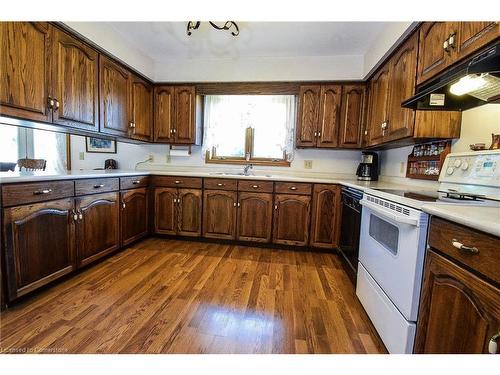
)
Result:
{"points": [[246, 169]]}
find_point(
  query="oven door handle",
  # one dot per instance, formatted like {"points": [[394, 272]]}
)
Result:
{"points": [[389, 215]]}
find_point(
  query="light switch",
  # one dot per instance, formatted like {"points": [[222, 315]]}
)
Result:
{"points": [[308, 164]]}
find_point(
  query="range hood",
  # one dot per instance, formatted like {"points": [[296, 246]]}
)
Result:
{"points": [[470, 84]]}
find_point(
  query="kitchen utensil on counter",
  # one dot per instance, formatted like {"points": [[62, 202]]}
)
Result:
{"points": [[495, 141], [478, 146]]}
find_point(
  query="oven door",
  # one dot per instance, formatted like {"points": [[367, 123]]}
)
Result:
{"points": [[392, 250]]}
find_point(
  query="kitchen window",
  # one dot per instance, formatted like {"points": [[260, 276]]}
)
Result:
{"points": [[249, 129]]}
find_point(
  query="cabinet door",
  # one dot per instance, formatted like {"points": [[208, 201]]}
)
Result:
{"points": [[25, 70], [459, 312], [432, 56], [114, 98], [403, 67], [189, 215], [351, 122], [255, 213], [98, 229], [184, 124], [39, 244], [379, 92], [165, 218], [308, 116], [325, 216], [164, 109], [219, 214], [134, 215], [291, 219], [74, 82], [474, 35], [329, 115], [141, 102]]}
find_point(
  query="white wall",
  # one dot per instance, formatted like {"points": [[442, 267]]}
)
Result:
{"points": [[477, 125]]}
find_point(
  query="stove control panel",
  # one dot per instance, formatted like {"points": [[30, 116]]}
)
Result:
{"points": [[480, 168]]}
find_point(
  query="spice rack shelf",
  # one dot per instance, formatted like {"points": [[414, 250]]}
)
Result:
{"points": [[426, 160]]}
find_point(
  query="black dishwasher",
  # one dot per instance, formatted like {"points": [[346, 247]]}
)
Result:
{"points": [[350, 226]]}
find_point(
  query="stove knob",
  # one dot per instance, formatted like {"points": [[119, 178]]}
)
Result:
{"points": [[465, 166], [457, 163], [450, 170]]}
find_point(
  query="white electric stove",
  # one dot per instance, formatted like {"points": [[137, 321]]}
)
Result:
{"points": [[393, 241]]}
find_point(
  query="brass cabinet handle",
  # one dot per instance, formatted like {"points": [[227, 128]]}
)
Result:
{"points": [[75, 215], [238, 204], [315, 134], [174, 130], [124, 205], [136, 182], [255, 186], [461, 246], [451, 40], [276, 206], [293, 188], [98, 186], [493, 344], [80, 215], [220, 184], [41, 192], [56, 107], [178, 182], [446, 46], [50, 103], [319, 134]]}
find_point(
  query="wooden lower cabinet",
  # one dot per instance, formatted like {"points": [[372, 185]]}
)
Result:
{"points": [[98, 229], [40, 244], [325, 217], [134, 215], [459, 312], [165, 213], [291, 219], [189, 207], [219, 214], [255, 216]]}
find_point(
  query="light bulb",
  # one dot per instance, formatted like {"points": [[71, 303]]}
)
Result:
{"points": [[467, 84]]}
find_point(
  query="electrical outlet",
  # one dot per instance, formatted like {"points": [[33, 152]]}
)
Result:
{"points": [[151, 158], [308, 164], [81, 156], [402, 167]]}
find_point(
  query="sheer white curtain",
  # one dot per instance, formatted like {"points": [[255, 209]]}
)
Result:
{"points": [[271, 116]]}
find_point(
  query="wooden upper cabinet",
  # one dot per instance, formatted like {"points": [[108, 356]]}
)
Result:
{"points": [[141, 109], [184, 120], [189, 212], [134, 215], [329, 115], [291, 219], [39, 244], [379, 95], [165, 210], [75, 80], [459, 312], [114, 97], [474, 35], [255, 214], [403, 70], [352, 116], [219, 214], [325, 216], [308, 115], [98, 229], [163, 114], [25, 70]]}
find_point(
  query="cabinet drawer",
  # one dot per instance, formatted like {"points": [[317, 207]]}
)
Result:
{"points": [[96, 185], [176, 181], [133, 182], [259, 186], [441, 236], [293, 188], [220, 184], [17, 194]]}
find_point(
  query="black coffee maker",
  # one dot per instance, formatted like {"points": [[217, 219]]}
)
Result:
{"points": [[368, 168]]}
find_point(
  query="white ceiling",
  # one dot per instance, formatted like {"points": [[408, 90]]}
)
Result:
{"points": [[168, 40]]}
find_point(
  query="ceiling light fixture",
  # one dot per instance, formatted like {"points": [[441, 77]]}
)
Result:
{"points": [[194, 25]]}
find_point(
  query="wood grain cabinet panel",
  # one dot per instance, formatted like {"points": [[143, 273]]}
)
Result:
{"points": [[141, 109], [39, 244], [134, 215], [75, 74], [163, 114], [308, 115], [352, 116], [255, 214], [219, 214], [474, 35], [165, 217], [459, 312], [114, 89], [98, 227], [25, 70], [184, 123], [379, 94], [291, 219], [329, 115], [325, 216], [189, 206], [403, 67]]}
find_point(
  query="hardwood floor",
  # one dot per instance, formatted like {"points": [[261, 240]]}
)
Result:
{"points": [[170, 296]]}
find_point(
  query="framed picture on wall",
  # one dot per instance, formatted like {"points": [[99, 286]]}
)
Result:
{"points": [[98, 145]]}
